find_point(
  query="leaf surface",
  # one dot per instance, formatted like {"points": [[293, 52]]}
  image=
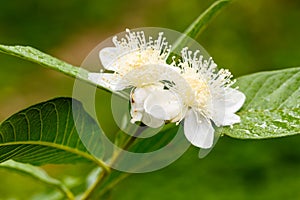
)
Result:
{"points": [[272, 107], [47, 133], [38, 174]]}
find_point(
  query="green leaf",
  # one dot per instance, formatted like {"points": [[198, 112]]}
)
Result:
{"points": [[36, 56], [272, 107], [38, 174], [46, 133], [194, 30], [202, 21]]}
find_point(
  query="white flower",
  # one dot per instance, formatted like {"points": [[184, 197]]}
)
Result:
{"points": [[131, 52], [209, 100], [140, 64], [192, 90], [153, 105]]}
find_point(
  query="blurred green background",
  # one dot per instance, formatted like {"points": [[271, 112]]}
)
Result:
{"points": [[248, 36]]}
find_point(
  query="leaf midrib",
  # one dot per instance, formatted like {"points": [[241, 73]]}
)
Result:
{"points": [[61, 147]]}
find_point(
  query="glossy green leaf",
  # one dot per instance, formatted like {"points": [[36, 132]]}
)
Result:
{"points": [[38, 174], [46, 133], [33, 55], [272, 107]]}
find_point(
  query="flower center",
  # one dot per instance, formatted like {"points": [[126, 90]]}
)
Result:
{"points": [[135, 59], [199, 96]]}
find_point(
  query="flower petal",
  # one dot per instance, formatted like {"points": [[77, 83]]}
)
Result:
{"points": [[198, 130], [136, 112], [231, 119], [152, 121], [107, 56], [221, 118], [151, 74], [226, 119], [234, 100], [136, 115], [137, 98], [224, 108], [163, 104], [106, 80]]}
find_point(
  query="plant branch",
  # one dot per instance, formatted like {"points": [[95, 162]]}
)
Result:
{"points": [[88, 193]]}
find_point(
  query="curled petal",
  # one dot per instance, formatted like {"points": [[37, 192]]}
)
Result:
{"points": [[198, 130], [107, 56], [224, 108], [152, 121], [136, 112], [139, 95], [137, 98], [234, 100], [136, 115], [107, 80], [163, 104], [150, 74], [231, 119]]}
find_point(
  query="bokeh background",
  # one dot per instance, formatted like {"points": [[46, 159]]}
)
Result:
{"points": [[247, 36]]}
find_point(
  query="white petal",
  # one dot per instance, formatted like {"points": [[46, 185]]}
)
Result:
{"points": [[106, 80], [163, 104], [224, 108], [137, 112], [152, 121], [234, 100], [137, 98], [226, 119], [151, 73], [219, 116], [198, 130], [181, 115], [231, 119], [136, 115], [107, 56], [139, 95]]}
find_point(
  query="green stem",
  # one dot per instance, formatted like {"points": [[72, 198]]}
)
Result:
{"points": [[69, 194], [112, 184], [87, 195]]}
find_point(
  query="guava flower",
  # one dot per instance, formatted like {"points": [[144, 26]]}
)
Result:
{"points": [[154, 105], [206, 98], [210, 100], [192, 91], [140, 63], [129, 53]]}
